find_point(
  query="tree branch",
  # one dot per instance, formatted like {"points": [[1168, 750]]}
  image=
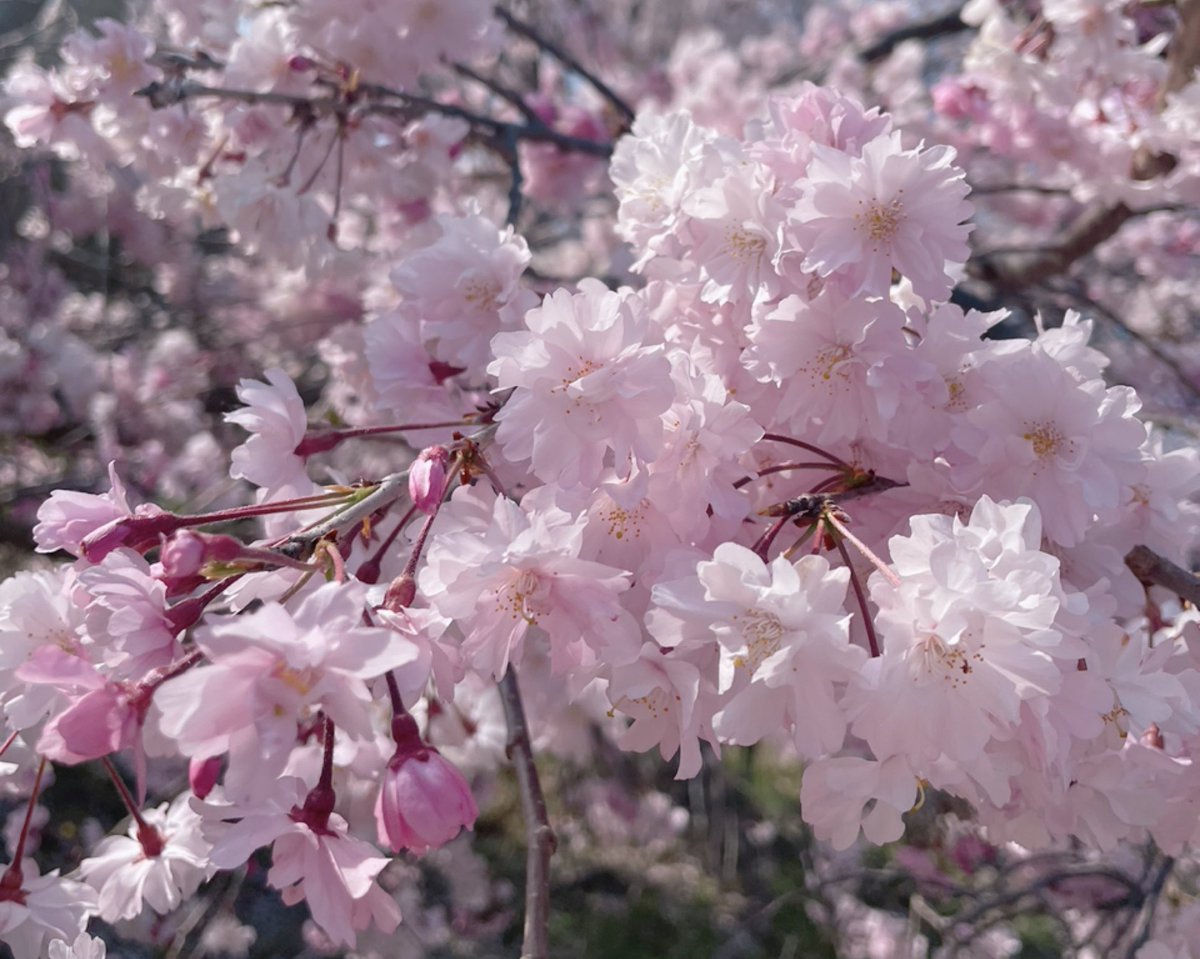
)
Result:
{"points": [[944, 25], [1155, 570], [567, 60], [541, 841]]}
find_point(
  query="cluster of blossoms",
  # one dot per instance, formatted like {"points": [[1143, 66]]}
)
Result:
{"points": [[783, 490]]}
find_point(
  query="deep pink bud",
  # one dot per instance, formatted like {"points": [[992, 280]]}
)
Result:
{"points": [[424, 802], [427, 478], [203, 775], [139, 532], [182, 554], [400, 593], [318, 441], [300, 63]]}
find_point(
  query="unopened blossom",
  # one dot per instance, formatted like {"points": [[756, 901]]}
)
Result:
{"points": [[427, 478], [889, 208], [423, 802], [589, 382]]}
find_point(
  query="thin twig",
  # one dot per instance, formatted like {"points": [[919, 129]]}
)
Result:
{"points": [[567, 60], [1145, 923], [1158, 352], [390, 488], [944, 25], [539, 835]]}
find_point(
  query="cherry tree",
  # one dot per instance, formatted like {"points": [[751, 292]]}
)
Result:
{"points": [[399, 392]]}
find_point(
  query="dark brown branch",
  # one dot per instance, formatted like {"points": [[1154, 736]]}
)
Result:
{"points": [[376, 102], [941, 26], [505, 93], [1155, 570], [540, 838], [567, 60], [1018, 270]]}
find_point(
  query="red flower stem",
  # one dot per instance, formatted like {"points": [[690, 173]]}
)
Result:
{"points": [[145, 830], [872, 638], [265, 509], [19, 852], [8, 742], [763, 546], [862, 547], [779, 438], [394, 694], [326, 780], [356, 431], [377, 557], [783, 468]]}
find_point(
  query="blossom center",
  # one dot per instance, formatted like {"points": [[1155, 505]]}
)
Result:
{"points": [[519, 597], [881, 221], [763, 633], [1046, 439], [299, 681], [741, 244], [624, 522], [481, 292], [954, 662]]}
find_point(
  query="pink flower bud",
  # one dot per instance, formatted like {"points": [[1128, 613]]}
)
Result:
{"points": [[300, 63], [424, 801], [400, 593], [203, 775], [182, 554], [427, 478]]}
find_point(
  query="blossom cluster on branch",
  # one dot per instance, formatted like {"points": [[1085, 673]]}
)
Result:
{"points": [[772, 482]]}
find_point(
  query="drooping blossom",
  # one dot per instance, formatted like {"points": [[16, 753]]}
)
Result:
{"points": [[159, 867]]}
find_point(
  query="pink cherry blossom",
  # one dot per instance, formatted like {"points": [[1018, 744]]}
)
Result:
{"points": [[275, 418], [126, 874], [503, 573], [587, 382], [888, 208], [334, 872], [272, 669]]}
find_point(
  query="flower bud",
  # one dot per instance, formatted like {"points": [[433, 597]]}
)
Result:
{"points": [[427, 478], [203, 775], [424, 801]]}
